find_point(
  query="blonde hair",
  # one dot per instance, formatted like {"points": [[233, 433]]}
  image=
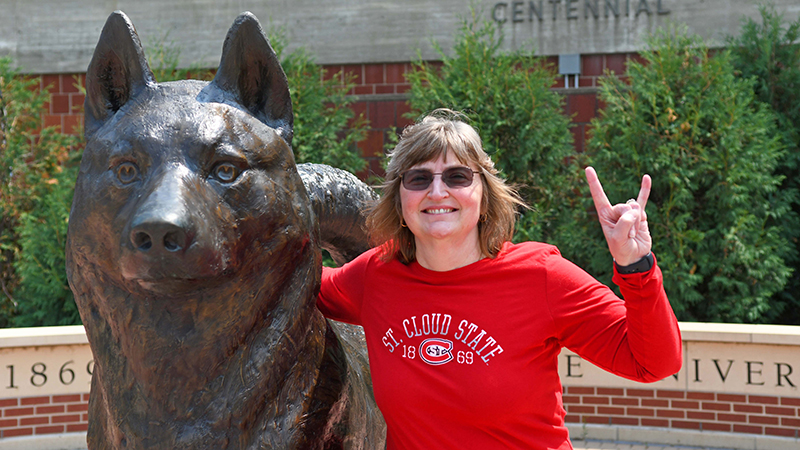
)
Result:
{"points": [[427, 140]]}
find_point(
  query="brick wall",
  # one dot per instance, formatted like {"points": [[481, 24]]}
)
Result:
{"points": [[701, 411], [50, 414], [381, 96]]}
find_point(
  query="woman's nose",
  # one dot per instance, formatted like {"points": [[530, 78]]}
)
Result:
{"points": [[438, 187]]}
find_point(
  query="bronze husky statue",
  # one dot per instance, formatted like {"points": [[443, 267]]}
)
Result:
{"points": [[194, 255]]}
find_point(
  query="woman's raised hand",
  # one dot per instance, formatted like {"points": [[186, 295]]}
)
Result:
{"points": [[624, 224]]}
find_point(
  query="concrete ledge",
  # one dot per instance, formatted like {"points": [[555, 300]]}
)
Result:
{"points": [[690, 438], [63, 441], [42, 336], [740, 333]]}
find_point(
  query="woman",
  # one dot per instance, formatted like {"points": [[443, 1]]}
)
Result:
{"points": [[464, 328]]}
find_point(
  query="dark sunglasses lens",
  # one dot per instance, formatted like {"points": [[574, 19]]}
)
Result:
{"points": [[457, 177], [417, 180]]}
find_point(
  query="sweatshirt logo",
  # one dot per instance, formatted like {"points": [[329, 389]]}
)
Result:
{"points": [[436, 351]]}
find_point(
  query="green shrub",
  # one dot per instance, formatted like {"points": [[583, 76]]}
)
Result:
{"points": [[508, 99], [38, 172], [770, 55], [712, 150]]}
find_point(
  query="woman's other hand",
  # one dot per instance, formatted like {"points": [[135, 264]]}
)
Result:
{"points": [[624, 224]]}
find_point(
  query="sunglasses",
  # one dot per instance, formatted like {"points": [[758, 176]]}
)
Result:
{"points": [[454, 177]]}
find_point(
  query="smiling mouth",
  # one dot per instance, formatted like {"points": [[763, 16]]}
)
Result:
{"points": [[439, 211]]}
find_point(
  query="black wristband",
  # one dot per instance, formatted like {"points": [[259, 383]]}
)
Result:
{"points": [[642, 265]]}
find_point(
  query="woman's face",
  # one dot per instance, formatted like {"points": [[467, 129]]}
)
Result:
{"points": [[442, 213]]}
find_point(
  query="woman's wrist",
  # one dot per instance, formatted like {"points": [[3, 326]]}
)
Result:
{"points": [[640, 266]]}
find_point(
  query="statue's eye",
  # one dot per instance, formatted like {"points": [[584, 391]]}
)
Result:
{"points": [[127, 172], [225, 172]]}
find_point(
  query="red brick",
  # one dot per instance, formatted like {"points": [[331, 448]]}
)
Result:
{"points": [[625, 401], [16, 412], [403, 109], [382, 115], [670, 394], [66, 418], [762, 399], [52, 120], [625, 421], [616, 63], [53, 82], [672, 413], [396, 72], [85, 418], [54, 409], [749, 408], [732, 398], [641, 412], [686, 425], [610, 411], [787, 422], [78, 407], [384, 89], [748, 429], [685, 404], [592, 65], [655, 403], [70, 83], [586, 81], [580, 409], [700, 396], [784, 401], [714, 426], [597, 420], [332, 73], [732, 417], [763, 420], [76, 427], [570, 399], [86, 397], [50, 429], [372, 145], [354, 73], [576, 390], [610, 391], [40, 420], [402, 88], [363, 90], [17, 432], [359, 109], [34, 401], [654, 423], [59, 104], [73, 124], [700, 415], [712, 406], [569, 418], [8, 402], [583, 108], [373, 74], [8, 423], [595, 400], [67, 398], [558, 83], [786, 432], [76, 103], [640, 393], [578, 138], [778, 411]]}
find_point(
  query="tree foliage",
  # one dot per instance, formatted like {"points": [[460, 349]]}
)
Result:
{"points": [[769, 53], [508, 99], [715, 209]]}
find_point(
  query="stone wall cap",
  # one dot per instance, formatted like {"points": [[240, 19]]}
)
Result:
{"points": [[741, 333], [43, 336]]}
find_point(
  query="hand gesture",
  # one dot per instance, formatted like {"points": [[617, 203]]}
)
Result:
{"points": [[624, 224]]}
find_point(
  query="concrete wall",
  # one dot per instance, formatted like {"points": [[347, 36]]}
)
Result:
{"points": [[58, 36]]}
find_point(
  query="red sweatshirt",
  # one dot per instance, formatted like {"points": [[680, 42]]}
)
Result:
{"points": [[467, 359]]}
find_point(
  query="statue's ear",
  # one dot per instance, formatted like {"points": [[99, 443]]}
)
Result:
{"points": [[117, 72], [250, 72]]}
